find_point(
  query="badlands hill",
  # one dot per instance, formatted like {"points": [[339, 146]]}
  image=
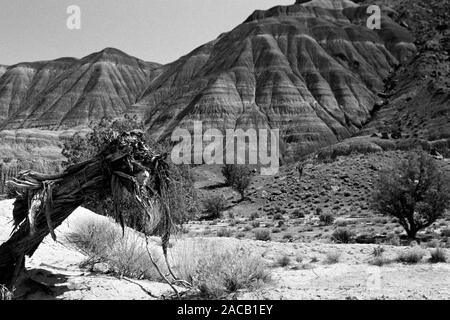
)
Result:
{"points": [[67, 92], [311, 69]]}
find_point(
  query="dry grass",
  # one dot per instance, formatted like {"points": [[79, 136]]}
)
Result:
{"points": [[438, 256], [412, 256], [103, 242], [217, 272]]}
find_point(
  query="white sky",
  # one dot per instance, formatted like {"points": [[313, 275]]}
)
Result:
{"points": [[153, 30]]}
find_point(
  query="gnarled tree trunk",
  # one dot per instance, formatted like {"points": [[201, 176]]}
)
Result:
{"points": [[45, 201]]}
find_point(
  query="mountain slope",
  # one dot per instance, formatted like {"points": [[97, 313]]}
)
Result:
{"points": [[75, 92], [311, 70], [418, 93], [23, 82]]}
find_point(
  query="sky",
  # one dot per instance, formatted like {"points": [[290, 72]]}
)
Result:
{"points": [[152, 30]]}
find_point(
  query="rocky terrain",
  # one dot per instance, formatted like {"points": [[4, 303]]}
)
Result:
{"points": [[68, 93], [417, 94]]}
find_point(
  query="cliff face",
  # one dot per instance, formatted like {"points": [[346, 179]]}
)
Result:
{"points": [[67, 92], [311, 70]]}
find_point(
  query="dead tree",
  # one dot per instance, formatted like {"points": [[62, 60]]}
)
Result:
{"points": [[45, 201]]}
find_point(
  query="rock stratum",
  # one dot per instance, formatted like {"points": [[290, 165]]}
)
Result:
{"points": [[67, 93], [312, 70]]}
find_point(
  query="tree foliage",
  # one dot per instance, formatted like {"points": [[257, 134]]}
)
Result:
{"points": [[237, 177], [414, 191]]}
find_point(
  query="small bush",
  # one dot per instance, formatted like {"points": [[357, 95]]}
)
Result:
{"points": [[5, 294], [216, 272], [284, 261], [256, 224], [333, 257], [446, 233], [263, 235], [438, 255], [342, 235], [225, 233], [411, 256], [378, 251], [297, 213], [213, 206], [379, 261], [103, 241], [326, 218], [254, 216]]}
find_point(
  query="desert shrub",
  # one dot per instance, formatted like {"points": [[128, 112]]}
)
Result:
{"points": [[181, 197], [237, 177], [224, 232], [283, 261], [254, 216], [438, 255], [256, 224], [213, 206], [103, 241], [332, 257], [446, 233], [5, 294], [412, 256], [326, 218], [262, 235], [217, 272], [297, 213], [379, 261], [378, 251], [414, 191], [342, 235]]}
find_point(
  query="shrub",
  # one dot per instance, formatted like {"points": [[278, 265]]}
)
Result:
{"points": [[297, 213], [326, 218], [284, 261], [254, 216], [224, 232], [103, 241], [446, 233], [379, 261], [438, 255], [263, 235], [216, 272], [342, 235], [378, 251], [256, 224], [213, 206], [414, 191], [5, 294], [237, 177], [333, 257], [411, 256]]}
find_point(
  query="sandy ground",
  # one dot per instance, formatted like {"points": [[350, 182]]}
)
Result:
{"points": [[307, 276], [56, 264]]}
